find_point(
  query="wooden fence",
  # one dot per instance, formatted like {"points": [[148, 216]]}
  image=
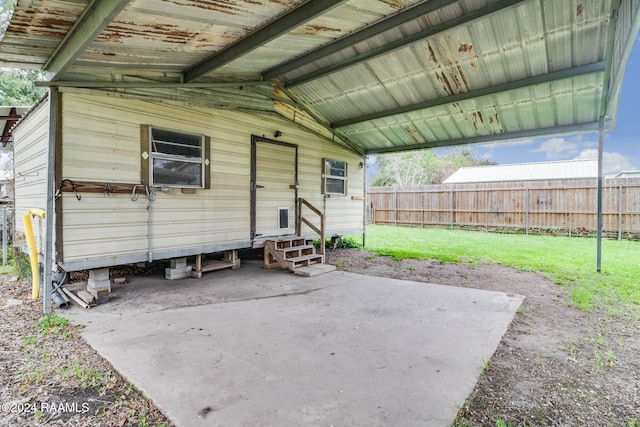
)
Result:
{"points": [[566, 207]]}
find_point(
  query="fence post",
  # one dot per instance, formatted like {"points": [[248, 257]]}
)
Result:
{"points": [[451, 207], [422, 208], [620, 210], [486, 211], [570, 224], [395, 206], [526, 211]]}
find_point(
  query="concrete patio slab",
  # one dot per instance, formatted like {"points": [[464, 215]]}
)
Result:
{"points": [[250, 347]]}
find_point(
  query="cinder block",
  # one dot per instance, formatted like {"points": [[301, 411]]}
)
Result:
{"points": [[178, 263], [99, 292], [105, 284], [98, 275], [177, 273]]}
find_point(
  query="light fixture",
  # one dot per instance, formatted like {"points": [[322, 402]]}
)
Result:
{"points": [[278, 134]]}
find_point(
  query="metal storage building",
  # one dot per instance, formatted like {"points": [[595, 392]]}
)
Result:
{"points": [[338, 79]]}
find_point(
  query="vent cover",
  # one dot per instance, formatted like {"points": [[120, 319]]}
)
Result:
{"points": [[283, 218]]}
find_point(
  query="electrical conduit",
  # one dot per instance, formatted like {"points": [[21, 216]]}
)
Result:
{"points": [[33, 250]]}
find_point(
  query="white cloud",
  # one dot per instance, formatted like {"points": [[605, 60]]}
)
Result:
{"points": [[492, 145], [556, 148], [612, 163]]}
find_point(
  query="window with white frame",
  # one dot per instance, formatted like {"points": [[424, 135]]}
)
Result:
{"points": [[175, 159], [334, 177]]}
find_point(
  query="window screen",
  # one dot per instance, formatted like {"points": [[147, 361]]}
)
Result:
{"points": [[334, 177], [177, 159]]}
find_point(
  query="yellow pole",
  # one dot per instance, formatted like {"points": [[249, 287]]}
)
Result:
{"points": [[33, 250]]}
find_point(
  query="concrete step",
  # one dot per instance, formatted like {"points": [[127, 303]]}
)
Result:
{"points": [[314, 270]]}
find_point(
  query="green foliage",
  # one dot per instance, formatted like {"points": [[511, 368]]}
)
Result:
{"points": [[354, 241], [22, 265], [88, 377], [570, 262], [52, 322], [17, 87], [422, 167]]}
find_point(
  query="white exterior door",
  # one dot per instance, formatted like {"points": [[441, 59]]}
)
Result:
{"points": [[273, 188]]}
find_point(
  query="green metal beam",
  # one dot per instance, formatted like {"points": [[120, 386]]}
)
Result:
{"points": [[403, 42], [611, 38], [365, 33], [151, 84], [290, 20], [509, 136], [343, 139], [596, 67], [93, 20]]}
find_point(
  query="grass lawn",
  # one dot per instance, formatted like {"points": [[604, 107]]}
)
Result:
{"points": [[568, 261]]}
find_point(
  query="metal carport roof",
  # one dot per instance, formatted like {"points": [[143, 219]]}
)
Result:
{"points": [[375, 75]]}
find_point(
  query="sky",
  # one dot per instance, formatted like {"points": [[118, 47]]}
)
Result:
{"points": [[621, 146]]}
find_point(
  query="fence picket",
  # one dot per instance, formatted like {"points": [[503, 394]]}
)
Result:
{"points": [[554, 207]]}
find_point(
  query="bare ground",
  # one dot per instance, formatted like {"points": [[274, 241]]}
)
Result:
{"points": [[556, 365], [49, 375]]}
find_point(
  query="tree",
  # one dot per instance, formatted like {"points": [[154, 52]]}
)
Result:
{"points": [[423, 167], [17, 87]]}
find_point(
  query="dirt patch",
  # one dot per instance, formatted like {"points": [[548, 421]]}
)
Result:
{"points": [[556, 365], [50, 375]]}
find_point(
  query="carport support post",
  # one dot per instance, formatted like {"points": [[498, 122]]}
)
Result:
{"points": [[4, 236], [600, 152], [54, 102]]}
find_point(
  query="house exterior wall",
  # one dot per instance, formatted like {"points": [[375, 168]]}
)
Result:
{"points": [[101, 143], [31, 141]]}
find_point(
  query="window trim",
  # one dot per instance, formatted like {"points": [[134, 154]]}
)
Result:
{"points": [[326, 177], [147, 157]]}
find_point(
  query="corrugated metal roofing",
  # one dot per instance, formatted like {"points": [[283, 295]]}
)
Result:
{"points": [[380, 75], [9, 116], [572, 169]]}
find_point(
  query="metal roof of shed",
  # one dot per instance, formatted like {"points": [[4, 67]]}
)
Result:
{"points": [[376, 75], [570, 169], [9, 116]]}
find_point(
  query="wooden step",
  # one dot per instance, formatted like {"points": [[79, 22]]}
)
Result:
{"points": [[303, 261], [290, 253], [297, 251], [284, 243]]}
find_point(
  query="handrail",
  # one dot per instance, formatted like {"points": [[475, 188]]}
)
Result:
{"points": [[301, 219]]}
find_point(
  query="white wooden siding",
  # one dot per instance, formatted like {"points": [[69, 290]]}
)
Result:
{"points": [[31, 141], [101, 143], [342, 213]]}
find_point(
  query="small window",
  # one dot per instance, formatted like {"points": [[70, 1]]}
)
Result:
{"points": [[175, 159], [334, 177]]}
